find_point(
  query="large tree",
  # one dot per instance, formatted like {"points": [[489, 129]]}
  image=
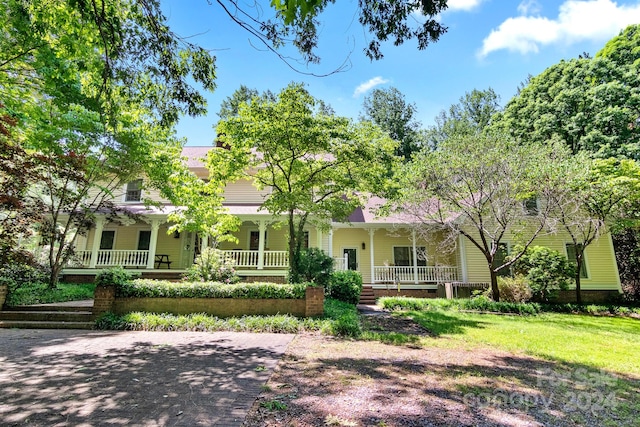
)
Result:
{"points": [[389, 109], [590, 104], [470, 116], [95, 88], [478, 187], [318, 167], [592, 197]]}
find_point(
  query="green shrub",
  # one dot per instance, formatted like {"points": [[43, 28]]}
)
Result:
{"points": [[117, 276], [480, 303], [314, 266], [212, 265], [547, 271], [15, 276], [346, 286], [149, 288], [514, 289], [41, 293]]}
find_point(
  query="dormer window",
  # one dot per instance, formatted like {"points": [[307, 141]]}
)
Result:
{"points": [[134, 191]]}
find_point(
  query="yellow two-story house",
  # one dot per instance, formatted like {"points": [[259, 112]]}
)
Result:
{"points": [[391, 256]]}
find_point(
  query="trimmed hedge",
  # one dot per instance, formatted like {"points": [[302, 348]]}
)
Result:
{"points": [[150, 288], [485, 304]]}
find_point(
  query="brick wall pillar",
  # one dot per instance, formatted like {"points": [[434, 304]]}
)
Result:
{"points": [[314, 297], [3, 295], [103, 299]]}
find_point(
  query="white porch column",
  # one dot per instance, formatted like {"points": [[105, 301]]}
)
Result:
{"points": [[463, 259], [153, 243], [97, 236], [262, 228], [415, 256], [371, 257], [330, 251], [318, 238]]}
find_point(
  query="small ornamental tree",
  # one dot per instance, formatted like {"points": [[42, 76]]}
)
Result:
{"points": [[476, 187], [546, 271]]}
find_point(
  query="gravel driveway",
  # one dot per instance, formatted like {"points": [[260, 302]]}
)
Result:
{"points": [[95, 378]]}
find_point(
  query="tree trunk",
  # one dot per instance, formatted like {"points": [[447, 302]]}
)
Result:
{"points": [[494, 285], [294, 265], [579, 257]]}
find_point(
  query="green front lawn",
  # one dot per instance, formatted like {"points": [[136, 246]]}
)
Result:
{"points": [[611, 343]]}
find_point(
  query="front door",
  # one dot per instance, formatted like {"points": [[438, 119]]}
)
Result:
{"points": [[352, 261]]}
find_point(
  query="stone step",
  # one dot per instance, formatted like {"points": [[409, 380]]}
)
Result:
{"points": [[24, 324], [47, 316], [45, 307]]}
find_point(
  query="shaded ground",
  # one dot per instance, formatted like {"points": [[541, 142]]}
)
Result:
{"points": [[79, 378], [323, 381]]}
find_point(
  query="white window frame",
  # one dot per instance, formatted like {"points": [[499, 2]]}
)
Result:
{"points": [[115, 237], [410, 247], [138, 242], [126, 191], [585, 261]]}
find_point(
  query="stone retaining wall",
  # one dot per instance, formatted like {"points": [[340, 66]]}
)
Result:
{"points": [[312, 305]]}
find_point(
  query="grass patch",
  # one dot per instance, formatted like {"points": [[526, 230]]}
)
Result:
{"points": [[601, 342], [40, 293], [340, 319]]}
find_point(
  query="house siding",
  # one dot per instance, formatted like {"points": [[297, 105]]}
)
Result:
{"points": [[600, 259]]}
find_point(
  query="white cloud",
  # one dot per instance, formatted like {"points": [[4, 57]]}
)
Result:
{"points": [[464, 5], [577, 20], [529, 7], [368, 85]]}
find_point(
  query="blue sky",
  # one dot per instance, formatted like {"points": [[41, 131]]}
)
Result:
{"points": [[490, 43]]}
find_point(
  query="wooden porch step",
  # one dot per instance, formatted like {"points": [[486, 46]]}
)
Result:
{"points": [[367, 296]]}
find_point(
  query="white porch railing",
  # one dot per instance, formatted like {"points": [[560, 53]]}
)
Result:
{"points": [[276, 259], [406, 274], [249, 259], [340, 263], [125, 258]]}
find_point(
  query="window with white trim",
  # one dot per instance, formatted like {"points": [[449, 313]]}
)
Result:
{"points": [[133, 192], [403, 256], [571, 256], [107, 240], [499, 259]]}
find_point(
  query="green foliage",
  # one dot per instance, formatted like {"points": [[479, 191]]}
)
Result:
{"points": [[388, 109], [41, 293], [546, 270], [212, 265], [514, 289], [274, 405], [314, 266], [480, 303], [16, 276], [148, 288], [335, 312], [587, 103], [117, 276], [346, 286], [316, 165], [472, 115]]}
